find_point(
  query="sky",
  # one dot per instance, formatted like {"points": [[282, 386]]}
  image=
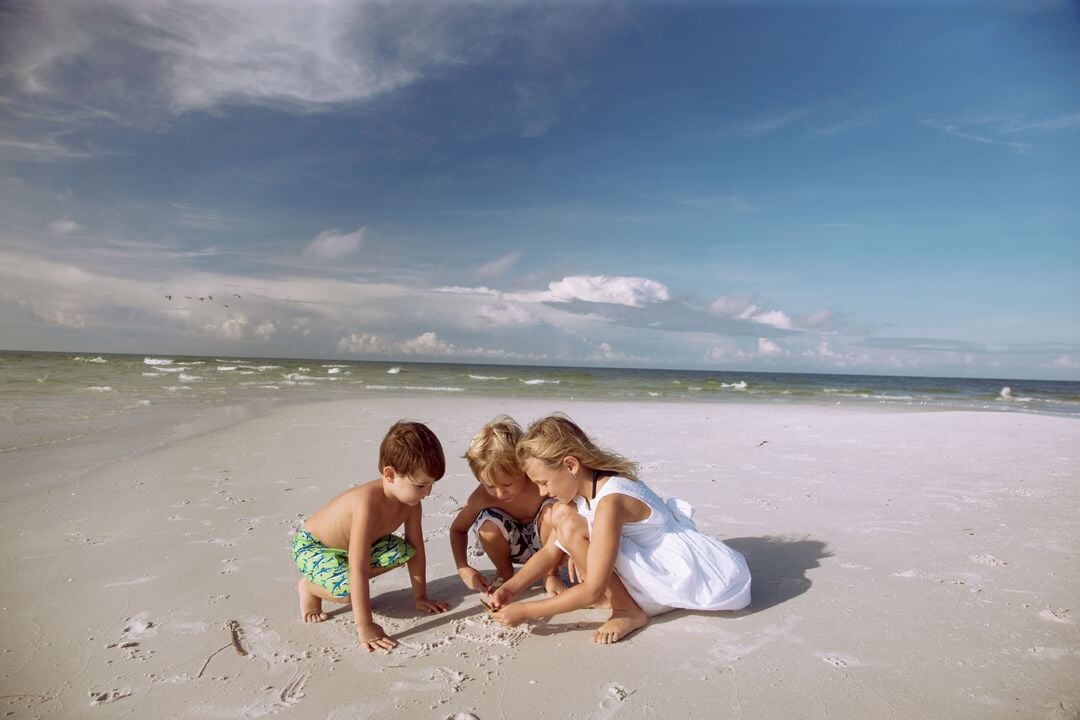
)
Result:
{"points": [[859, 187]]}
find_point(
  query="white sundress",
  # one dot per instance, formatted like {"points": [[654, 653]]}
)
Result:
{"points": [[665, 562]]}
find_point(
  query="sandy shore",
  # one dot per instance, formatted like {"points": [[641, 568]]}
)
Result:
{"points": [[905, 565]]}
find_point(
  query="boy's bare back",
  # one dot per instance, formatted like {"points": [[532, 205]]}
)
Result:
{"points": [[332, 524]]}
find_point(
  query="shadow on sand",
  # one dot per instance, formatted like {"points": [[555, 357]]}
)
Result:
{"points": [[778, 566]]}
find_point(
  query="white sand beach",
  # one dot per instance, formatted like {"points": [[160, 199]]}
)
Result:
{"points": [[905, 565]]}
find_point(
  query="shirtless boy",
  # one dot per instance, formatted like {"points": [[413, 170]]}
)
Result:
{"points": [[509, 515], [349, 540]]}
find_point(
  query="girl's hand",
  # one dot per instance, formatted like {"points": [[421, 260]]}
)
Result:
{"points": [[431, 606], [473, 579], [500, 597], [512, 615], [573, 573], [373, 637]]}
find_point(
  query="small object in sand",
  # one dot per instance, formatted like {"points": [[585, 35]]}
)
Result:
{"points": [[234, 631], [762, 443]]}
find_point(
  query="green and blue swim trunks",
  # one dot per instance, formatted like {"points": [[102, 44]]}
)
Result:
{"points": [[329, 567]]}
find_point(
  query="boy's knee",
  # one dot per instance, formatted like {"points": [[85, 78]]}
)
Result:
{"points": [[489, 531]]}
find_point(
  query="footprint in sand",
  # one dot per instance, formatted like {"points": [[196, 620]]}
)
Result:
{"points": [[840, 661], [614, 696], [987, 559], [1059, 615]]}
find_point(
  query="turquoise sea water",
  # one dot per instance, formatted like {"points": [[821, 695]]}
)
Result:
{"points": [[48, 398]]}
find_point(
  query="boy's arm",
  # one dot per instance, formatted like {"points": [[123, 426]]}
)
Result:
{"points": [[414, 535], [371, 635], [459, 543]]}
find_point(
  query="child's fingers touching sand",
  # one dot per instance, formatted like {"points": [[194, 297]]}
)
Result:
{"points": [[431, 606]]}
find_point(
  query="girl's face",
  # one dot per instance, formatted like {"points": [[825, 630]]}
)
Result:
{"points": [[560, 482], [505, 487]]}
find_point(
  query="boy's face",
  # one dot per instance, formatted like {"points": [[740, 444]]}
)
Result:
{"points": [[505, 486], [410, 489]]}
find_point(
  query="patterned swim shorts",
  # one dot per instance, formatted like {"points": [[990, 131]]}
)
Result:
{"points": [[329, 567], [524, 537]]}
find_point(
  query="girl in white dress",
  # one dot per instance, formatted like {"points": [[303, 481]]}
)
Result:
{"points": [[641, 555]]}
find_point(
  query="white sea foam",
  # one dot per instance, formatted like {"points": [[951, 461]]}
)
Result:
{"points": [[394, 370], [261, 368], [226, 368], [100, 388], [97, 359], [173, 369], [297, 377], [427, 388], [333, 371], [304, 369], [157, 361], [184, 377], [741, 385], [539, 382], [488, 377], [153, 374], [175, 388], [1007, 394]]}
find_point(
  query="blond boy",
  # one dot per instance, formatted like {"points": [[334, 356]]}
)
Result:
{"points": [[349, 540], [511, 519]]}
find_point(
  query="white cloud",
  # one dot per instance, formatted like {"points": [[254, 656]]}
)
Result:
{"points": [[959, 130], [428, 344], [230, 329], [265, 330], [615, 289], [818, 320], [775, 318], [742, 307], [64, 226], [1066, 362], [333, 245], [365, 344], [768, 348], [507, 315], [499, 266]]}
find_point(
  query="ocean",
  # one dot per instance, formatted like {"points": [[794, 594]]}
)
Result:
{"points": [[49, 399]]}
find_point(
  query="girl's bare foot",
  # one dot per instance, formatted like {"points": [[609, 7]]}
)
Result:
{"points": [[619, 625], [554, 585], [310, 605]]}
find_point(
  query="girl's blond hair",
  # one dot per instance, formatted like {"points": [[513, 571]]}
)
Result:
{"points": [[491, 449], [555, 437]]}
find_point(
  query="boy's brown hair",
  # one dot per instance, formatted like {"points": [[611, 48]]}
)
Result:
{"points": [[411, 446], [492, 449]]}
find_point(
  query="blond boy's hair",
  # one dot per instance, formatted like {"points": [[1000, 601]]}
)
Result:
{"points": [[492, 449], [411, 446], [555, 437]]}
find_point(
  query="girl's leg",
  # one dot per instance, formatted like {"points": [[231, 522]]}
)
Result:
{"points": [[497, 549], [626, 616], [545, 525]]}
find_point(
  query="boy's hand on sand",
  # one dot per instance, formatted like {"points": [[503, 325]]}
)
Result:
{"points": [[373, 638], [511, 615], [431, 606], [473, 579]]}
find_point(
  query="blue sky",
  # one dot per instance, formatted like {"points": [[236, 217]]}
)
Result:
{"points": [[860, 187]]}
